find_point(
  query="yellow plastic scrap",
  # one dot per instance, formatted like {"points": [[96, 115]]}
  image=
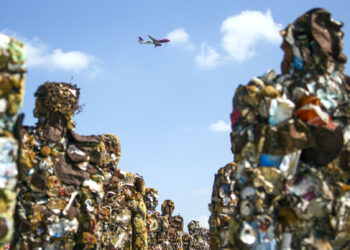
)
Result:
{"points": [[45, 151], [5, 86], [270, 91]]}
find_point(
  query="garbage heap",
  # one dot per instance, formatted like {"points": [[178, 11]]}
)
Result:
{"points": [[123, 210], [164, 230], [176, 224], [157, 225], [12, 78], [289, 187], [197, 237], [72, 193]]}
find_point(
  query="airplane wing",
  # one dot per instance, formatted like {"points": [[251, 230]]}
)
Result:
{"points": [[152, 38]]}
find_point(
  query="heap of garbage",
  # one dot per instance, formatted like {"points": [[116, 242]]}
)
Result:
{"points": [[53, 168], [12, 79], [71, 191], [197, 236], [166, 231], [289, 186]]}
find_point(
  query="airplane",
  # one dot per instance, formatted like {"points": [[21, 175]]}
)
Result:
{"points": [[156, 42]]}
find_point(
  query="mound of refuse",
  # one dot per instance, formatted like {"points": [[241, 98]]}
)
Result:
{"points": [[289, 186]]}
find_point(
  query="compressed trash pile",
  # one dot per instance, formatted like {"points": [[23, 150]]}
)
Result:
{"points": [[175, 228], [289, 187], [164, 230], [157, 225], [176, 223], [197, 237], [124, 212], [72, 194], [12, 78]]}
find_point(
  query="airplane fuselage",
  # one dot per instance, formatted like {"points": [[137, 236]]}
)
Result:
{"points": [[156, 42]]}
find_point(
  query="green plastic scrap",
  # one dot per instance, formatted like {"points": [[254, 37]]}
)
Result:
{"points": [[17, 51]]}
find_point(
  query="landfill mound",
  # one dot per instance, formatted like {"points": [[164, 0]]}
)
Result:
{"points": [[289, 186], [62, 190]]}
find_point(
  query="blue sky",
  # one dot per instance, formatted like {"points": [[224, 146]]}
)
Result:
{"points": [[169, 105]]}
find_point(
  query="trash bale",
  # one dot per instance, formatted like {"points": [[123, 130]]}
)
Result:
{"points": [[72, 193], [197, 237], [12, 79], [289, 185], [165, 231], [124, 212], [54, 203], [175, 228], [157, 225]]}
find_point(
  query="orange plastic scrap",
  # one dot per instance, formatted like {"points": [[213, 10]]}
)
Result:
{"points": [[312, 115], [310, 112]]}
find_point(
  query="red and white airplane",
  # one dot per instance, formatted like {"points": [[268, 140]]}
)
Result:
{"points": [[156, 42]]}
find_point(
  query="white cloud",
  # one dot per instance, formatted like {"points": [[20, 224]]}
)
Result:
{"points": [[244, 31], [203, 221], [75, 60], [208, 57], [179, 37], [220, 126], [40, 55]]}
